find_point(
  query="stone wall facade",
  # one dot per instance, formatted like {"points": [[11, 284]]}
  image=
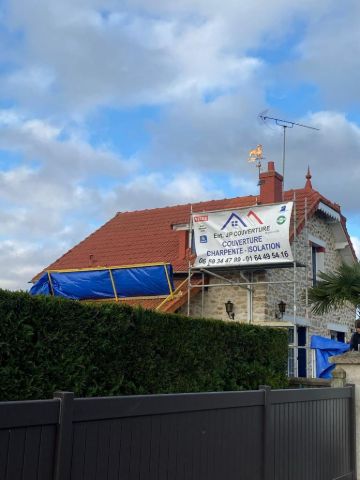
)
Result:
{"points": [[321, 229], [266, 297]]}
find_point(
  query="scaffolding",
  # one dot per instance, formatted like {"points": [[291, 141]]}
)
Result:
{"points": [[246, 274]]}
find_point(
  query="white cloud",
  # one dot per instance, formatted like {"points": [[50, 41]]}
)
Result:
{"points": [[156, 190], [73, 56], [53, 197], [330, 53], [209, 136], [332, 154], [21, 259], [82, 54]]}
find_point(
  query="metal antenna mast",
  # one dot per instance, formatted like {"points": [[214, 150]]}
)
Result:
{"points": [[284, 124]]}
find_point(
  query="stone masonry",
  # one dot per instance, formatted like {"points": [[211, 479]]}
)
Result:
{"points": [[267, 297]]}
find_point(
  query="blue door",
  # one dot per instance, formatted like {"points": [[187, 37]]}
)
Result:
{"points": [[301, 334]]}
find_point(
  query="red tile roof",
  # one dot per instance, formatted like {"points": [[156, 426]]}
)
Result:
{"points": [[147, 236], [143, 236]]}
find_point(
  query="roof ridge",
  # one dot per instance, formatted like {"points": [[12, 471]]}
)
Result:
{"points": [[187, 204], [146, 235]]}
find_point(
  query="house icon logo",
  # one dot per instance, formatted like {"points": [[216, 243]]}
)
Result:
{"points": [[250, 220]]}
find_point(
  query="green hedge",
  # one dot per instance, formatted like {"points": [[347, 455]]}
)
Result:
{"points": [[47, 344]]}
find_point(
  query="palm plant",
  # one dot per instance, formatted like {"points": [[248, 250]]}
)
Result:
{"points": [[336, 289]]}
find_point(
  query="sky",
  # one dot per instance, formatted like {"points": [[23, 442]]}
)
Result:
{"points": [[109, 105]]}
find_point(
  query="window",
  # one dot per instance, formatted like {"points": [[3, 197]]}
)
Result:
{"points": [[338, 336], [302, 353], [291, 353], [297, 353], [341, 337], [317, 261]]}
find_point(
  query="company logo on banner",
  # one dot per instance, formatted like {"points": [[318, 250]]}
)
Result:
{"points": [[253, 236]]}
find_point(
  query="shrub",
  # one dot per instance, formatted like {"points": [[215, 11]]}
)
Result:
{"points": [[49, 344]]}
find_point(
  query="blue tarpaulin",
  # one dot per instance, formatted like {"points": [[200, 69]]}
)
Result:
{"points": [[325, 348], [94, 284]]}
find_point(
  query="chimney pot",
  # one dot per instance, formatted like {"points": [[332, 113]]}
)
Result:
{"points": [[271, 185]]}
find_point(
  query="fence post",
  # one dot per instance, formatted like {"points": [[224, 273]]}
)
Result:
{"points": [[338, 379], [350, 362], [268, 447], [353, 430], [64, 436]]}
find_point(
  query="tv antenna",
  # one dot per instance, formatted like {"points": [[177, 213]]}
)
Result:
{"points": [[284, 124]]}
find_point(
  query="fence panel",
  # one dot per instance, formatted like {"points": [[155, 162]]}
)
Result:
{"points": [[311, 434], [28, 439], [263, 435], [201, 436]]}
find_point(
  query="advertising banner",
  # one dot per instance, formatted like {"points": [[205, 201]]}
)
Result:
{"points": [[257, 235]]}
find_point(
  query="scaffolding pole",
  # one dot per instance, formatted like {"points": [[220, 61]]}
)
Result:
{"points": [[221, 277], [247, 285], [202, 293], [296, 350], [251, 294], [243, 285], [189, 264]]}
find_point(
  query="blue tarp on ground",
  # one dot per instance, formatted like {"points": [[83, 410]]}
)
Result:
{"points": [[325, 348], [96, 284]]}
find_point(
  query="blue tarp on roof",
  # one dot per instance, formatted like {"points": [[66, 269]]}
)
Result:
{"points": [[325, 348], [94, 284]]}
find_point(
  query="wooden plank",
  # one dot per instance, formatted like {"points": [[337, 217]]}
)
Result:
{"points": [[29, 413], [31, 453], [16, 454], [172, 447], [115, 449], [78, 452], [86, 409], [145, 447], [309, 394], [155, 447], [131, 437], [91, 450], [183, 450], [4, 451], [126, 453], [164, 445], [47, 452], [103, 449]]}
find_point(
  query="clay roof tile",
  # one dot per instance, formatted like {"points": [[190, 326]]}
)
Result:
{"points": [[147, 236]]}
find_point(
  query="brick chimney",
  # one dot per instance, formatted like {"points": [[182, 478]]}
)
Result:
{"points": [[271, 185]]}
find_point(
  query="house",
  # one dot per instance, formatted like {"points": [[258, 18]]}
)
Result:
{"points": [[253, 294]]}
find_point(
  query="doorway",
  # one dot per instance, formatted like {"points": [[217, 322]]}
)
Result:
{"points": [[302, 355]]}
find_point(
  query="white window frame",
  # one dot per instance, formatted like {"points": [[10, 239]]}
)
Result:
{"points": [[319, 257]]}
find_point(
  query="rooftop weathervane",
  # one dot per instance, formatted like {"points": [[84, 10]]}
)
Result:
{"points": [[256, 155]]}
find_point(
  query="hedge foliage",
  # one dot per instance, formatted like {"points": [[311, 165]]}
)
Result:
{"points": [[49, 344]]}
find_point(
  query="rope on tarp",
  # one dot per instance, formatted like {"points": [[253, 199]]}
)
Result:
{"points": [[113, 285], [50, 283]]}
